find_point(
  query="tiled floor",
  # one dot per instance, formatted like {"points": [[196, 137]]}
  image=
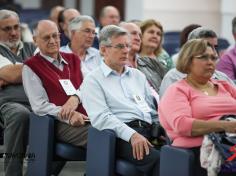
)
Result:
{"points": [[70, 169]]}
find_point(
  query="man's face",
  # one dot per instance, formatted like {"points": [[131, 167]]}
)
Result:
{"points": [[111, 16], [135, 34], [213, 42], [48, 39], [116, 54], [85, 35], [10, 32]]}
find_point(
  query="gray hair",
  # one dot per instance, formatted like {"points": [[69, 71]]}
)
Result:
{"points": [[77, 23], [234, 25], [4, 14], [110, 31], [201, 32]]}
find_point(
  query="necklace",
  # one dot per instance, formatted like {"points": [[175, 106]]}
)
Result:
{"points": [[202, 89]]}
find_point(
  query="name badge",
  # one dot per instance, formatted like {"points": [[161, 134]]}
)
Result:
{"points": [[67, 86], [142, 104]]}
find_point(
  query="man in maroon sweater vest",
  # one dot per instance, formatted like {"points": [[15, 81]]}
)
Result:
{"points": [[51, 81]]}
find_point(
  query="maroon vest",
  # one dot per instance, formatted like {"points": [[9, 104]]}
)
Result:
{"points": [[50, 76]]}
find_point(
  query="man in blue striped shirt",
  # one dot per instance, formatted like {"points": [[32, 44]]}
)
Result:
{"points": [[118, 97]]}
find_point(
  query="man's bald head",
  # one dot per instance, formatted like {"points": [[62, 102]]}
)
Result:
{"points": [[109, 15], [44, 24], [47, 38]]}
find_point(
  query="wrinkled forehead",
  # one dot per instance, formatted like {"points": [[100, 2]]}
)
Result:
{"points": [[125, 38], [10, 20], [47, 29]]}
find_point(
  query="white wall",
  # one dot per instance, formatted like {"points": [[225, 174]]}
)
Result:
{"points": [[134, 9], [29, 4], [228, 12], [70, 3], [176, 14], [87, 7], [173, 14]]}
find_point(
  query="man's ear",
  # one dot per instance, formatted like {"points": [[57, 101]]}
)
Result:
{"points": [[35, 40], [71, 34], [102, 50]]}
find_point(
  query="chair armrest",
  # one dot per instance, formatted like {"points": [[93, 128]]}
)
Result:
{"points": [[176, 161], [41, 131], [100, 152]]}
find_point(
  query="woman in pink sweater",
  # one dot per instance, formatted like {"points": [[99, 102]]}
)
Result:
{"points": [[192, 107]]}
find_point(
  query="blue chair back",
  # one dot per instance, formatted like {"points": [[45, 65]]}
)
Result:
{"points": [[171, 42], [101, 156], [45, 148]]}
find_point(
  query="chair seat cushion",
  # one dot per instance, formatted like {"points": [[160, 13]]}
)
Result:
{"points": [[70, 152], [124, 167]]}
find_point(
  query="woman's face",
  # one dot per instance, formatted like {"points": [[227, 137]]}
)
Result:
{"points": [[152, 37], [203, 66]]}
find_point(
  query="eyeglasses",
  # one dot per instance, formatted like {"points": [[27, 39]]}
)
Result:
{"points": [[120, 46], [8, 29], [89, 31], [55, 36], [206, 57]]}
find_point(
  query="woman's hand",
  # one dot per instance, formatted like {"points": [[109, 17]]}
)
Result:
{"points": [[229, 126]]}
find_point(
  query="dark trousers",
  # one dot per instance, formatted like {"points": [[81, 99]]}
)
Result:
{"points": [[149, 165], [198, 170]]}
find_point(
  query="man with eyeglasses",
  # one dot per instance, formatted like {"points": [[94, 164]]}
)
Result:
{"points": [[174, 75], [82, 33], [51, 80], [14, 105], [119, 98], [152, 68]]}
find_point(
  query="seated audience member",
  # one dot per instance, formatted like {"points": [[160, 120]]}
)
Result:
{"points": [[119, 98], [152, 36], [50, 79], [184, 38], [64, 17], [108, 15], [192, 107], [54, 13], [227, 63], [14, 105], [152, 68], [82, 32], [174, 75]]}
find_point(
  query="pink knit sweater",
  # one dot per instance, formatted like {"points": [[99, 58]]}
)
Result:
{"points": [[182, 104]]}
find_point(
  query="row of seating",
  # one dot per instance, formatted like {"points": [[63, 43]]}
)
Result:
{"points": [[100, 156], [172, 42]]}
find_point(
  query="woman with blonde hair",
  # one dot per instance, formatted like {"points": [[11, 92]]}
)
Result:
{"points": [[152, 36]]}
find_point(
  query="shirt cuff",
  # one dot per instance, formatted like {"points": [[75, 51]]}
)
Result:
{"points": [[127, 133], [78, 94]]}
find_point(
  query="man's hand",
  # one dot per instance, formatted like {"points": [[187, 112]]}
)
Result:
{"points": [[140, 146], [12, 73], [68, 108], [77, 119], [3, 83]]}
